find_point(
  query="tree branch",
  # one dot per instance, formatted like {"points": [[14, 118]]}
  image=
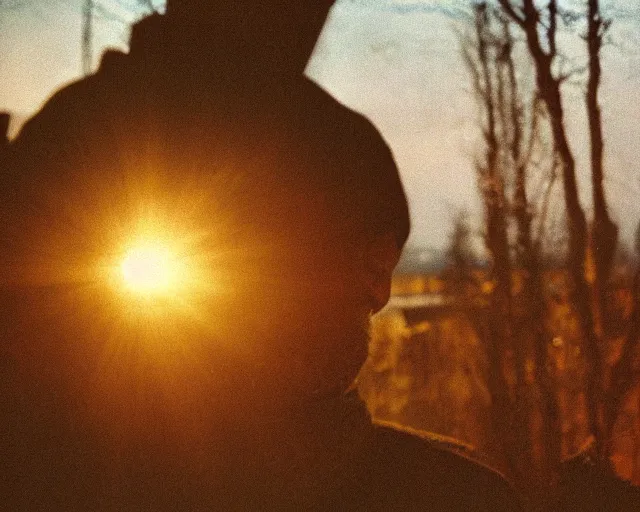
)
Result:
{"points": [[513, 12]]}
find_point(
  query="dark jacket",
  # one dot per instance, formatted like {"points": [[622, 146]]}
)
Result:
{"points": [[328, 455]]}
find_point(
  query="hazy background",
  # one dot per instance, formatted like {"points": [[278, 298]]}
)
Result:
{"points": [[399, 63]]}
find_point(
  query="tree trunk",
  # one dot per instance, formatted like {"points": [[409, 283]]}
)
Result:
{"points": [[529, 261], [492, 184], [604, 232]]}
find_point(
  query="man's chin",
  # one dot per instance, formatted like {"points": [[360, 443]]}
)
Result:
{"points": [[338, 356]]}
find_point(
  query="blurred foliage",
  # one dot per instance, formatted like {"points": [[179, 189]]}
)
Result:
{"points": [[432, 375]]}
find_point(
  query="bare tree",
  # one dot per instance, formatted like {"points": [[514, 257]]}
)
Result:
{"points": [[540, 26], [513, 142], [521, 144], [604, 231], [460, 258], [489, 88]]}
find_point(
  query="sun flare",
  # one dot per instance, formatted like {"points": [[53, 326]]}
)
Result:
{"points": [[151, 268]]}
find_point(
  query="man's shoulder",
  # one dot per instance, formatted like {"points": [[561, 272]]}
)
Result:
{"points": [[77, 102], [444, 469], [435, 444]]}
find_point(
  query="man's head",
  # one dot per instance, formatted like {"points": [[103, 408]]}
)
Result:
{"points": [[333, 220]]}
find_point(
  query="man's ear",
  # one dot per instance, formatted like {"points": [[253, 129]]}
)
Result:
{"points": [[380, 258]]}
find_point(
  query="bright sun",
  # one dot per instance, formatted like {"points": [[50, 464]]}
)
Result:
{"points": [[150, 269]]}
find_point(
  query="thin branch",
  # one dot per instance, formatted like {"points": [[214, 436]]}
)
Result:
{"points": [[514, 13], [552, 31], [544, 210]]}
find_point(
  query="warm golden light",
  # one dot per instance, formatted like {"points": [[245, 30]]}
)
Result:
{"points": [[150, 269]]}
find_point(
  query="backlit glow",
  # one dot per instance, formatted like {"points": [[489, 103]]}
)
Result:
{"points": [[150, 269]]}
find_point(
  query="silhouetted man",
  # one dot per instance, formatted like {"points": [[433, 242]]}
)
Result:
{"points": [[229, 393]]}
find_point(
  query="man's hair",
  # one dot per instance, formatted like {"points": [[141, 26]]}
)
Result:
{"points": [[285, 31]]}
